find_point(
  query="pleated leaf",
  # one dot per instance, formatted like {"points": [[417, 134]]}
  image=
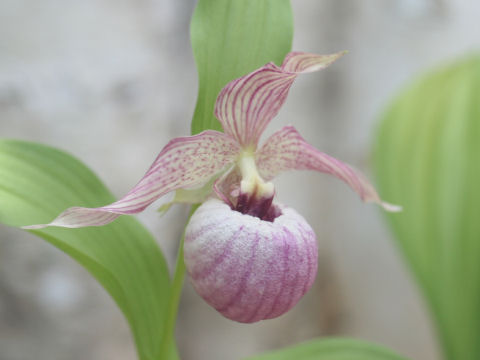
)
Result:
{"points": [[331, 349], [428, 161], [37, 182], [231, 39]]}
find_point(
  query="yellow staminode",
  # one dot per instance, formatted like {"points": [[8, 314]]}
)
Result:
{"points": [[252, 182]]}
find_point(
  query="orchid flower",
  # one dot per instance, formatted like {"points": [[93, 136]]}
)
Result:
{"points": [[248, 257]]}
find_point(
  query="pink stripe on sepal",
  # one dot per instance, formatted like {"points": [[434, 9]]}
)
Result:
{"points": [[246, 105], [287, 150], [249, 269], [302, 62], [184, 162]]}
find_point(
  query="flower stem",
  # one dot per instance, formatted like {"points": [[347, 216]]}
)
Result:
{"points": [[166, 346]]}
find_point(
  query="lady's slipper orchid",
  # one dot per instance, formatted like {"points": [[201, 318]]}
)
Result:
{"points": [[248, 257]]}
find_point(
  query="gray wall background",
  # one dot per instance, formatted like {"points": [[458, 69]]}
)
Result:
{"points": [[113, 81]]}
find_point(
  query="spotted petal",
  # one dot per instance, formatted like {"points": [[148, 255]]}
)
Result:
{"points": [[185, 162], [287, 150], [246, 105]]}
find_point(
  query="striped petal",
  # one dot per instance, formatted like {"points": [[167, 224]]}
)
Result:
{"points": [[287, 150], [185, 162], [249, 269], [246, 105]]}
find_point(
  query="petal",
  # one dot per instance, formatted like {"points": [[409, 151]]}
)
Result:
{"points": [[185, 162], [301, 62], [287, 150], [227, 186], [190, 196], [246, 268], [246, 105]]}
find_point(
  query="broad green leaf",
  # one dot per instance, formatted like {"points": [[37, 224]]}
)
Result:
{"points": [[331, 349], [428, 161], [38, 182], [231, 38]]}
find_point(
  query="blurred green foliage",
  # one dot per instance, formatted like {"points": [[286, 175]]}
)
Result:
{"points": [[332, 349], [428, 161]]}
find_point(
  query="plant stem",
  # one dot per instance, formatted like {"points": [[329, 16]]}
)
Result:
{"points": [[174, 299]]}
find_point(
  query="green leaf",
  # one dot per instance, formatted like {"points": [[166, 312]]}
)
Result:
{"points": [[37, 183], [427, 159], [331, 349], [231, 38]]}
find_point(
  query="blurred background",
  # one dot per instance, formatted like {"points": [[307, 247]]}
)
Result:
{"points": [[112, 81]]}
